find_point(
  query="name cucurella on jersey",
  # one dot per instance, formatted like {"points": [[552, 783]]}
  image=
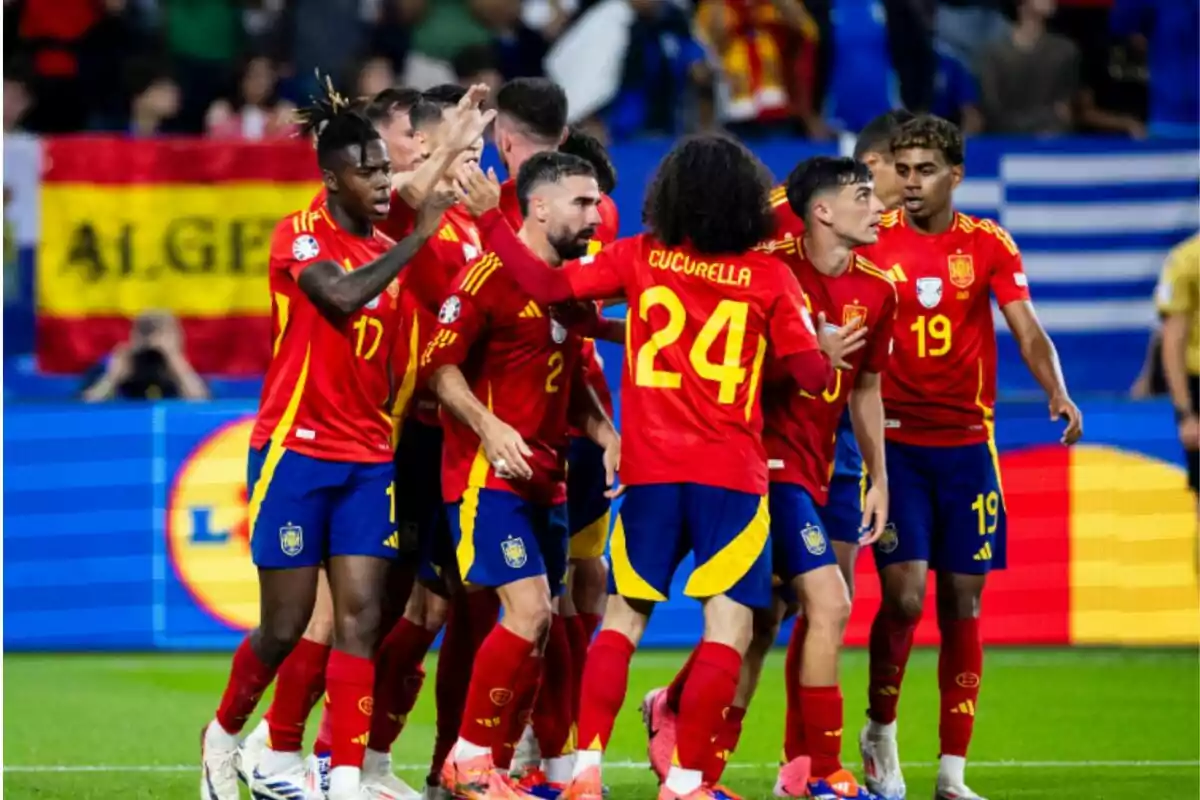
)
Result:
{"points": [[717, 272]]}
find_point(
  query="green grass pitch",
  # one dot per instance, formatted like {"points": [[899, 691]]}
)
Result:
{"points": [[1052, 724]]}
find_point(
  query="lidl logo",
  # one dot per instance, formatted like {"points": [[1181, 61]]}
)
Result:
{"points": [[208, 532]]}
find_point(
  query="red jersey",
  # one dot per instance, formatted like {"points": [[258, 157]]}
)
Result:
{"points": [[400, 220], [428, 280], [699, 328], [328, 389], [800, 431], [788, 224], [522, 364], [941, 388]]}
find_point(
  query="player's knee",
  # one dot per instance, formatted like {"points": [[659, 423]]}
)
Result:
{"points": [[357, 622], [907, 604], [766, 628], [320, 624], [278, 633], [529, 619]]}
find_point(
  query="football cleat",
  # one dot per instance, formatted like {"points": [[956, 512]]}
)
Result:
{"points": [[478, 779], [289, 784], [723, 793], [380, 782], [218, 764], [534, 783], [841, 785], [527, 754], [881, 765], [660, 721], [251, 750], [584, 786], [317, 769], [951, 792], [701, 793], [793, 778]]}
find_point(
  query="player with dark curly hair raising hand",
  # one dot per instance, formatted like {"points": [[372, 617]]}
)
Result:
{"points": [[705, 310], [320, 473]]}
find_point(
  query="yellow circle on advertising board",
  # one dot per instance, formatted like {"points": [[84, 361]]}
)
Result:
{"points": [[208, 531]]}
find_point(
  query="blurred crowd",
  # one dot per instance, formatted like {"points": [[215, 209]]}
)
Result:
{"points": [[236, 68]]}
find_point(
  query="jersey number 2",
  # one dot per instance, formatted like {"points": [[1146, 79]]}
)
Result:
{"points": [[729, 373]]}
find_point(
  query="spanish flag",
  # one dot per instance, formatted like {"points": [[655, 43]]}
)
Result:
{"points": [[179, 225]]}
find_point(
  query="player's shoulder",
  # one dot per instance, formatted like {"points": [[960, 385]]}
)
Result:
{"points": [[872, 274], [301, 234], [478, 277], [891, 220], [987, 231]]}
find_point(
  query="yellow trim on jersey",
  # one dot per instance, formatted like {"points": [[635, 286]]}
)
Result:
{"points": [[478, 274], [989, 424], [531, 311], [408, 384], [589, 541], [628, 582], [755, 372], [469, 507], [283, 303], [890, 219], [778, 196], [275, 449], [723, 571], [866, 267]]}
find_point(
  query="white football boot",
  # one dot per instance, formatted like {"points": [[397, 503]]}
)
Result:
{"points": [[251, 750], [218, 763], [950, 785], [881, 761], [280, 776], [317, 767], [380, 782]]}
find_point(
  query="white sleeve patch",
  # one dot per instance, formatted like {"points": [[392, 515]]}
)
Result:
{"points": [[305, 248], [450, 310]]}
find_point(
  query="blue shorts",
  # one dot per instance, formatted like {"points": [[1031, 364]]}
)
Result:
{"points": [[799, 536], [304, 510], [727, 532], [419, 508], [501, 538], [843, 508], [947, 509], [587, 507]]}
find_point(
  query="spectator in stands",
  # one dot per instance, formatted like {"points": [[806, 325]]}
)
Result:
{"points": [[519, 49], [203, 38], [17, 100], [956, 94], [1178, 297], [862, 82], [156, 101], [374, 75], [255, 112], [911, 28], [663, 65], [477, 64], [151, 365], [965, 28], [1167, 30], [1029, 79]]}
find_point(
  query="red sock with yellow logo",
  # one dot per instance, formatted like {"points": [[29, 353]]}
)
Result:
{"points": [[399, 676], [890, 646], [605, 682], [711, 686], [493, 686], [822, 709], [299, 684], [960, 669], [351, 685], [725, 744], [793, 726], [519, 713]]}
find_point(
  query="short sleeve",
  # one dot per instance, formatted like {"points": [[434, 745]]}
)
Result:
{"points": [[790, 328], [879, 341], [601, 276], [1176, 293], [1008, 280], [295, 247], [459, 323]]}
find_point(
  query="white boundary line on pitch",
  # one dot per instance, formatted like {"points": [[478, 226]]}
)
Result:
{"points": [[78, 768]]}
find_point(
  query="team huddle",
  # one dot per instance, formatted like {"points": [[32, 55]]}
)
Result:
{"points": [[809, 370]]}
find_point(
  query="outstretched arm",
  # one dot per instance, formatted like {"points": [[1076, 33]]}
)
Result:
{"points": [[541, 281], [1041, 357]]}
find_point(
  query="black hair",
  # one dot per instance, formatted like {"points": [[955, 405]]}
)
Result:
{"points": [[445, 94], [380, 108], [426, 113], [929, 132], [820, 174], [583, 144], [548, 167], [537, 104], [710, 191], [337, 126], [876, 135], [473, 59]]}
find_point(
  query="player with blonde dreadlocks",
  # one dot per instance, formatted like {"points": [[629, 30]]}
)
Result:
{"points": [[320, 463]]}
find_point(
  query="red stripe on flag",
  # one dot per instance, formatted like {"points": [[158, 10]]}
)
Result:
{"points": [[115, 160], [234, 346]]}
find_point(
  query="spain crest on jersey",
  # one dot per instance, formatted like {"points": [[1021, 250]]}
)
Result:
{"points": [[814, 540], [962, 271], [291, 539], [853, 315], [514, 552]]}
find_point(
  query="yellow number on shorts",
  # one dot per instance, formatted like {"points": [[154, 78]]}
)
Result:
{"points": [[729, 373], [987, 506], [556, 367], [933, 335], [391, 493], [361, 348]]}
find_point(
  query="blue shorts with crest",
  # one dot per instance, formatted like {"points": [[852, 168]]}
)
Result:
{"points": [[501, 538]]}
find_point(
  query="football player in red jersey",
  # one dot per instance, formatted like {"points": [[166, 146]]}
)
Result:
{"points": [[509, 371], [705, 309], [946, 506], [319, 466]]}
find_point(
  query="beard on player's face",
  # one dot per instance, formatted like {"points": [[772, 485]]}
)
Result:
{"points": [[571, 244]]}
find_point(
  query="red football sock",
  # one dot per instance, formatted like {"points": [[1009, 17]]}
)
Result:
{"points": [[398, 678], [552, 717], [298, 686], [323, 744], [249, 677], [793, 731], [675, 690], [577, 632], [351, 681], [519, 713], [891, 645], [725, 744], [605, 681], [472, 617], [822, 707], [591, 623], [960, 671], [709, 691], [493, 685]]}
